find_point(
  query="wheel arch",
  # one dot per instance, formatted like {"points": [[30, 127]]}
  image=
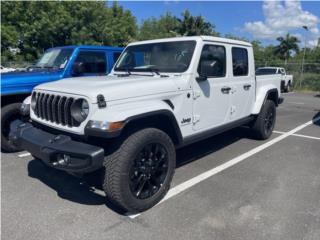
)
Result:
{"points": [[264, 95], [161, 119], [13, 98], [272, 95]]}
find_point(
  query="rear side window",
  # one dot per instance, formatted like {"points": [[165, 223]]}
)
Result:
{"points": [[116, 55], [213, 61], [240, 61], [94, 62]]}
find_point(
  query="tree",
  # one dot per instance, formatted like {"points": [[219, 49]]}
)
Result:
{"points": [[287, 45], [166, 26], [35, 26], [171, 26], [195, 25]]}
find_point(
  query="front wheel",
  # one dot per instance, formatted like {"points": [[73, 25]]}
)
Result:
{"points": [[138, 174], [9, 113], [265, 121]]}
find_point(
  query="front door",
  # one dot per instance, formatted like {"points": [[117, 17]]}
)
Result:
{"points": [[211, 104]]}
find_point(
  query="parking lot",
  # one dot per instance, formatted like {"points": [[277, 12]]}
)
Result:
{"points": [[226, 187]]}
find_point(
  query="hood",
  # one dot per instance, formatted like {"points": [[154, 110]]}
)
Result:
{"points": [[113, 87], [29, 78]]}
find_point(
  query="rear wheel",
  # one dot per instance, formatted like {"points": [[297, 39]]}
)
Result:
{"points": [[9, 113], [287, 88], [264, 123], [138, 175]]}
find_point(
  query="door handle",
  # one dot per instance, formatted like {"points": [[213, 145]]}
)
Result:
{"points": [[246, 87], [225, 90]]}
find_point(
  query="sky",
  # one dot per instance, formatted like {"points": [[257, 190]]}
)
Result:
{"points": [[260, 20]]}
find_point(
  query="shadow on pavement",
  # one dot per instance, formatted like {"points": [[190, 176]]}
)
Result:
{"points": [[316, 119], [205, 147], [82, 190], [69, 187]]}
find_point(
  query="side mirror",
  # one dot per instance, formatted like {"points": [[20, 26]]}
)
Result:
{"points": [[205, 69], [78, 69], [201, 78]]}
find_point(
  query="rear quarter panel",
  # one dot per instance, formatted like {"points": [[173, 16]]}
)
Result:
{"points": [[264, 83]]}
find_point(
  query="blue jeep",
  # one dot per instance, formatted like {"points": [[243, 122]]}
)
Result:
{"points": [[55, 64]]}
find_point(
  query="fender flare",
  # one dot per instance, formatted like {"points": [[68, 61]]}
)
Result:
{"points": [[268, 93], [260, 102], [164, 113]]}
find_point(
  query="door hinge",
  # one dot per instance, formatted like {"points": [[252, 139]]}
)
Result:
{"points": [[232, 109], [196, 94], [195, 119]]}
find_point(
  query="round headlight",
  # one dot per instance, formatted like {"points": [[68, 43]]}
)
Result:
{"points": [[80, 109], [84, 108], [33, 101]]}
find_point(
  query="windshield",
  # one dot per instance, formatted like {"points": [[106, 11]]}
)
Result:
{"points": [[55, 58], [266, 71], [162, 57]]}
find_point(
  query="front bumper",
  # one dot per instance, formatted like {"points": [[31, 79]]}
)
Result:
{"points": [[57, 151]]}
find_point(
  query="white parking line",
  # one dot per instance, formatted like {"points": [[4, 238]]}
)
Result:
{"points": [[24, 155], [299, 135], [193, 181]]}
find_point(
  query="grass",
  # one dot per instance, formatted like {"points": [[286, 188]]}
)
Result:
{"points": [[309, 82]]}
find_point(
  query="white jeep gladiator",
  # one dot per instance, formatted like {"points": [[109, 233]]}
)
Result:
{"points": [[286, 80], [161, 95]]}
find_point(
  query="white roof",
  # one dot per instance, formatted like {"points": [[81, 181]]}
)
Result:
{"points": [[196, 38]]}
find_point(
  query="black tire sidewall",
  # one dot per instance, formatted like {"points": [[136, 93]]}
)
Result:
{"points": [[259, 125], [6, 112], [270, 107], [128, 196], [116, 182]]}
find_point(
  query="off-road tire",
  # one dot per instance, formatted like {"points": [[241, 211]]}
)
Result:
{"points": [[117, 166], [8, 113], [287, 88], [259, 128]]}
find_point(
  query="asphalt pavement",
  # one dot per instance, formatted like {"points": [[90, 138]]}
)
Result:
{"points": [[226, 187]]}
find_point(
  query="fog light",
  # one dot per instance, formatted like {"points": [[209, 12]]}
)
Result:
{"points": [[62, 159]]}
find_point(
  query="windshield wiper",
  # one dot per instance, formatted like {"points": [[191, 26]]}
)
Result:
{"points": [[156, 71], [127, 73]]}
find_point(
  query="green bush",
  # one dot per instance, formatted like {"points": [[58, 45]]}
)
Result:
{"points": [[309, 81]]}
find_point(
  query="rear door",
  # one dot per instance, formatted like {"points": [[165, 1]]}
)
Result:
{"points": [[211, 98], [243, 87]]}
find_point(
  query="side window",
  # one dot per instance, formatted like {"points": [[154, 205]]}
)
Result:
{"points": [[240, 61], [212, 61], [116, 55], [93, 62]]}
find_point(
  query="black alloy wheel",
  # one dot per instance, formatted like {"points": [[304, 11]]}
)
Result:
{"points": [[269, 121], [148, 171]]}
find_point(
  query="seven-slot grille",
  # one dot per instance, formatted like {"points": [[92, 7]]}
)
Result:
{"points": [[54, 108]]}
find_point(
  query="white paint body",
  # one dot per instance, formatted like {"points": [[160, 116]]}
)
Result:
{"points": [[207, 106]]}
